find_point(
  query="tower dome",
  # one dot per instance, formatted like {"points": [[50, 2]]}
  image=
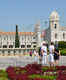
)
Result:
{"points": [[54, 16]]}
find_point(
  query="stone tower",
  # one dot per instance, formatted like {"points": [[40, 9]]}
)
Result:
{"points": [[54, 20], [54, 26], [38, 34]]}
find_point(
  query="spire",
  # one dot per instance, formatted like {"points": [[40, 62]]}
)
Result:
{"points": [[54, 15]]}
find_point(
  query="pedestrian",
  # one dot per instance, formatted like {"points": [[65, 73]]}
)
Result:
{"points": [[56, 56], [31, 53], [51, 54], [40, 56], [36, 56], [44, 53]]}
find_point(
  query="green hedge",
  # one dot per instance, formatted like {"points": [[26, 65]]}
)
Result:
{"points": [[62, 44], [63, 52]]}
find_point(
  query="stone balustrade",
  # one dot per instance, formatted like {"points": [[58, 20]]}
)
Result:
{"points": [[13, 51]]}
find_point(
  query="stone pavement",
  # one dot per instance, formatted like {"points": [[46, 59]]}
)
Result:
{"points": [[6, 61]]}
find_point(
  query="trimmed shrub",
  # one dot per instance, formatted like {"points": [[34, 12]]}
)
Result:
{"points": [[62, 44], [63, 52]]}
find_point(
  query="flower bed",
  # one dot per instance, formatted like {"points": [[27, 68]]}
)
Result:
{"points": [[34, 72]]}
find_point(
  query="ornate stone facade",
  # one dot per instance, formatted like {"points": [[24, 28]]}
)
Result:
{"points": [[55, 32], [28, 41]]}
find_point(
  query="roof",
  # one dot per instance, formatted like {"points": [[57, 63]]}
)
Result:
{"points": [[20, 33], [62, 28]]}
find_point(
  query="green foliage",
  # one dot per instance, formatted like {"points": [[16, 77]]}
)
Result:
{"points": [[62, 44], [4, 78], [44, 69], [17, 38], [62, 47], [3, 75], [63, 52]]}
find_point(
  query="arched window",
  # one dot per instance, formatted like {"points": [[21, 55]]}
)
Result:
{"points": [[10, 46], [28, 46], [22, 46], [55, 26], [0, 37], [34, 46], [56, 35], [63, 35], [34, 37], [4, 46]]}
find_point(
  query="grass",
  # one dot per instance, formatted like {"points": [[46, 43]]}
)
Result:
{"points": [[3, 75], [42, 76]]}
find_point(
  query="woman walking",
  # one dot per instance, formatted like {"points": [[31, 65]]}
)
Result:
{"points": [[56, 56]]}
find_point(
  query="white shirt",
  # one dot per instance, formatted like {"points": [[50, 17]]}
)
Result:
{"points": [[36, 53], [45, 49], [51, 48]]}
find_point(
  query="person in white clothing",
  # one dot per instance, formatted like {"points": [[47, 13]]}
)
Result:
{"points": [[51, 54], [44, 53], [36, 56]]}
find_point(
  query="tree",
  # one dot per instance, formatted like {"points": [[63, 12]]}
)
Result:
{"points": [[17, 38]]}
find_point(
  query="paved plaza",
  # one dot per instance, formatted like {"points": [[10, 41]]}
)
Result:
{"points": [[22, 61], [6, 61]]}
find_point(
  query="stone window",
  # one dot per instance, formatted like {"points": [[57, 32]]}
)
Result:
{"points": [[28, 46], [63, 35], [4, 46], [34, 46], [19, 51], [10, 46], [4, 38], [55, 26], [8, 51], [34, 37], [22, 38], [10, 37], [34, 42], [28, 37], [7, 37], [0, 46], [0, 37], [55, 35], [22, 46]]}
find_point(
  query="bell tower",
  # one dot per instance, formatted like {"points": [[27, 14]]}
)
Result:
{"points": [[54, 21], [54, 26]]}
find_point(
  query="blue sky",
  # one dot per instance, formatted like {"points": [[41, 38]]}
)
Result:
{"points": [[26, 13]]}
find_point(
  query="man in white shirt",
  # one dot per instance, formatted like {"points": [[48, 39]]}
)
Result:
{"points": [[51, 54], [44, 53]]}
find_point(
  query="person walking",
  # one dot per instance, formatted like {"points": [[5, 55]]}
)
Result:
{"points": [[51, 54], [31, 53], [44, 53], [40, 56], [36, 56], [56, 56]]}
